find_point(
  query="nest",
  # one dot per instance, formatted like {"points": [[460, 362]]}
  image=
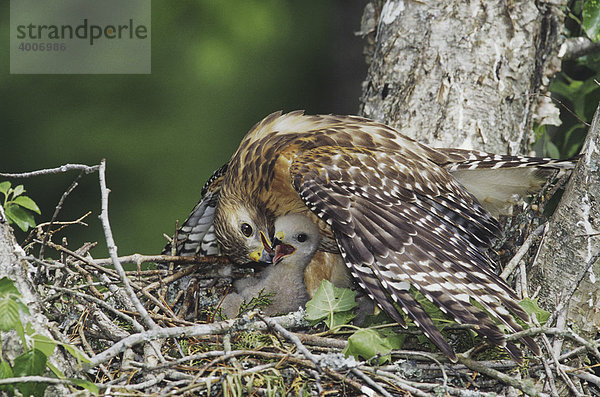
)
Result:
{"points": [[155, 330]]}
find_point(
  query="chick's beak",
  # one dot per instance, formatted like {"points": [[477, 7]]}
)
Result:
{"points": [[281, 251]]}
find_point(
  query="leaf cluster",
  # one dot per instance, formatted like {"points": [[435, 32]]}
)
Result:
{"points": [[334, 306], [576, 86], [18, 208]]}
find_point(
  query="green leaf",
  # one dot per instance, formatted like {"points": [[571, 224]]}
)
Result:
{"points": [[43, 344], [75, 352], [340, 318], [23, 219], [28, 203], [17, 191], [551, 150], [6, 372], [367, 343], [591, 19], [329, 300], [9, 314], [4, 187], [32, 362], [7, 286], [377, 319], [87, 385], [35, 389], [56, 371], [531, 307], [396, 341]]}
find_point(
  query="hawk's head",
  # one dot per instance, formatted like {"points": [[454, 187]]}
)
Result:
{"points": [[238, 225]]}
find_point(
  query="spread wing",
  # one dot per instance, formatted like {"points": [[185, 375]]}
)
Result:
{"points": [[402, 222], [197, 234]]}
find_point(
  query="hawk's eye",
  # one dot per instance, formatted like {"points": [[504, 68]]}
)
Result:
{"points": [[246, 229], [302, 237]]}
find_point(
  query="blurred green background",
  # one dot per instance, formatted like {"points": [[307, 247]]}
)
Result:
{"points": [[218, 67]]}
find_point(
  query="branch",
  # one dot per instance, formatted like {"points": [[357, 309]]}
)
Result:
{"points": [[56, 211], [526, 387], [218, 328], [576, 47], [63, 168], [112, 250], [139, 258]]}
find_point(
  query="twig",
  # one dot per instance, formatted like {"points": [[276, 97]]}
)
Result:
{"points": [[370, 382], [171, 278], [203, 382], [63, 168], [105, 305], [547, 369], [430, 357], [112, 249], [56, 211], [37, 379], [512, 265], [81, 258], [592, 347], [227, 348], [526, 387], [365, 390], [292, 338], [180, 332], [138, 258], [576, 351], [588, 377], [160, 317], [315, 340], [560, 372], [88, 348], [296, 341], [411, 387]]}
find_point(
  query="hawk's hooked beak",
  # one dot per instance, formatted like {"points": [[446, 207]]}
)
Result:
{"points": [[266, 254]]}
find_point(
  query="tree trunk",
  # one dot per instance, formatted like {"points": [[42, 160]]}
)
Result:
{"points": [[468, 74], [15, 267], [567, 267], [461, 74]]}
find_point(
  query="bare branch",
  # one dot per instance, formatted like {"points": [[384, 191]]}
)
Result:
{"points": [[58, 170], [112, 250], [575, 47], [217, 328], [56, 211]]}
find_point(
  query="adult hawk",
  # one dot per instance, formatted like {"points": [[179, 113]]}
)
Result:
{"points": [[400, 213]]}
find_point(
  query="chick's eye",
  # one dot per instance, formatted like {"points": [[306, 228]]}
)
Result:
{"points": [[302, 237], [246, 229]]}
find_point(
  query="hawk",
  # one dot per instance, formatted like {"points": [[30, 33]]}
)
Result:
{"points": [[402, 215]]}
